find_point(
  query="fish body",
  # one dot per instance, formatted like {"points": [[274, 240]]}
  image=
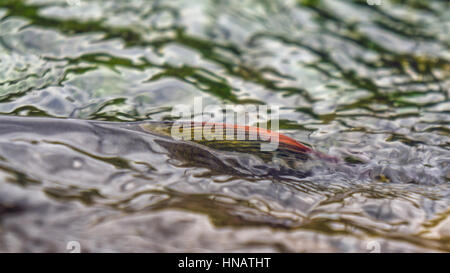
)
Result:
{"points": [[205, 144], [238, 138]]}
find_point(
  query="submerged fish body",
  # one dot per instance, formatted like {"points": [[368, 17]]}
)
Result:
{"points": [[229, 137], [204, 144], [239, 138]]}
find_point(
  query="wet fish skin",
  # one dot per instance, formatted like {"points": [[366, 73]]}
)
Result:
{"points": [[288, 148], [202, 152]]}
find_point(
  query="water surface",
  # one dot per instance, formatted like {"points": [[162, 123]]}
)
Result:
{"points": [[369, 84]]}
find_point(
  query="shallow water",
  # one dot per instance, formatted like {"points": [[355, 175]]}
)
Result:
{"points": [[369, 84]]}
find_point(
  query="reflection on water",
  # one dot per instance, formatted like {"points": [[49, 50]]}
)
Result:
{"points": [[369, 84]]}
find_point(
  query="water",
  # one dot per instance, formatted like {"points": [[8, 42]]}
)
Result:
{"points": [[366, 83]]}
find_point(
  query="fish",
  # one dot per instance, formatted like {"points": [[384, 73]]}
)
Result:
{"points": [[239, 138], [227, 148]]}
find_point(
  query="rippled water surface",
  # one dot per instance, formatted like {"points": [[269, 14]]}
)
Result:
{"points": [[366, 83]]}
